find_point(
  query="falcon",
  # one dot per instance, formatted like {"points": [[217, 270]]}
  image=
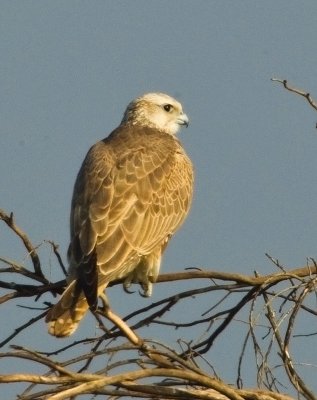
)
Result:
{"points": [[132, 193]]}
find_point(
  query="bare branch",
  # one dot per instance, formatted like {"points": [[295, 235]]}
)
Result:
{"points": [[8, 219], [300, 92], [272, 304]]}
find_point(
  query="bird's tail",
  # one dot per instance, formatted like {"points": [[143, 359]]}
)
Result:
{"points": [[64, 317]]}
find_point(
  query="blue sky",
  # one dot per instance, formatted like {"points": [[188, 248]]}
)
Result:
{"points": [[68, 70]]}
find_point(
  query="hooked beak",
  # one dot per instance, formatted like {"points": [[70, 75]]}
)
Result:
{"points": [[183, 120]]}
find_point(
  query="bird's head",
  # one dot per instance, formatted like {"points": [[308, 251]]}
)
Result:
{"points": [[156, 110]]}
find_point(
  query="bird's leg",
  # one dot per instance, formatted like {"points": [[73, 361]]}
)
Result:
{"points": [[142, 275], [127, 284], [147, 287], [118, 322]]}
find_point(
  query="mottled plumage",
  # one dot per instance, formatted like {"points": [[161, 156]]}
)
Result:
{"points": [[132, 192]]}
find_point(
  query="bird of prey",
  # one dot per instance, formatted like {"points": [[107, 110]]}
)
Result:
{"points": [[133, 191]]}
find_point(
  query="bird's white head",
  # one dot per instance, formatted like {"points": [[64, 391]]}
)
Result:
{"points": [[156, 110]]}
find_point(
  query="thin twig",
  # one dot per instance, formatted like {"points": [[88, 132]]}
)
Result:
{"points": [[300, 92], [9, 220]]}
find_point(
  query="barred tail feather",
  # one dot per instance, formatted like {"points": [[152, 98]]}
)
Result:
{"points": [[64, 317]]}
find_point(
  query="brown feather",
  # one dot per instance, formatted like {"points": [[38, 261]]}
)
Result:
{"points": [[132, 192]]}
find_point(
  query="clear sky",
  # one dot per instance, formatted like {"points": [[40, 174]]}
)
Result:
{"points": [[69, 68]]}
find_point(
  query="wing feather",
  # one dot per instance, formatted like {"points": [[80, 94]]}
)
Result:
{"points": [[131, 194]]}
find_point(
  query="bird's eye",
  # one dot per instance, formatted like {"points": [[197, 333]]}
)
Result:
{"points": [[168, 107]]}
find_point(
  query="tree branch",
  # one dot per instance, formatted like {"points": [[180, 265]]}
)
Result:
{"points": [[300, 92]]}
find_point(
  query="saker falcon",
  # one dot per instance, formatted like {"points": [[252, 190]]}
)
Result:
{"points": [[132, 193]]}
